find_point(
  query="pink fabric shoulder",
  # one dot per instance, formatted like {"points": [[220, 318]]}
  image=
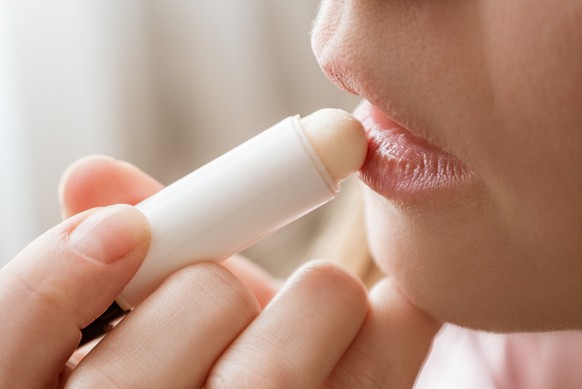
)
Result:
{"points": [[463, 359]]}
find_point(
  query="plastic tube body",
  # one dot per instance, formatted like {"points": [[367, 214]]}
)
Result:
{"points": [[230, 204]]}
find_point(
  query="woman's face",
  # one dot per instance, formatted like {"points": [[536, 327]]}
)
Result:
{"points": [[488, 232]]}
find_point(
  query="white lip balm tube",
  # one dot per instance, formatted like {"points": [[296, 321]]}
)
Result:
{"points": [[244, 195]]}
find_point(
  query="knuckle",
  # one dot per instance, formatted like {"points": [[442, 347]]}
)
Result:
{"points": [[40, 303], [214, 283], [45, 290]]}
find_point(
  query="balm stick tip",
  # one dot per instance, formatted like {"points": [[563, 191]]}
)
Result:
{"points": [[339, 140]]}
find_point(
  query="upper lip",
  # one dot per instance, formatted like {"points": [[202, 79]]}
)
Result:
{"points": [[359, 86]]}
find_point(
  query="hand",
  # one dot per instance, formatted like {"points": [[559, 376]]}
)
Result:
{"points": [[206, 325]]}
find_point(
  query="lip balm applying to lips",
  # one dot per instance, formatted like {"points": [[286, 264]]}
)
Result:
{"points": [[241, 197]]}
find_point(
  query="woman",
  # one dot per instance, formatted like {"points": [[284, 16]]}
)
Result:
{"points": [[474, 214]]}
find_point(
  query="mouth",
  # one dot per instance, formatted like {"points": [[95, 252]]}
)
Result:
{"points": [[403, 166]]}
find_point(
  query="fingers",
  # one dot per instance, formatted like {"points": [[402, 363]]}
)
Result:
{"points": [[178, 336], [97, 181], [300, 336], [198, 326], [59, 284], [172, 339], [391, 346], [262, 284]]}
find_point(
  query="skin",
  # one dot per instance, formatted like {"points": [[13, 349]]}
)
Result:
{"points": [[341, 335], [493, 87], [497, 84]]}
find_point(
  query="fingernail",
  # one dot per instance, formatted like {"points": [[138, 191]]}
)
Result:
{"points": [[110, 233]]}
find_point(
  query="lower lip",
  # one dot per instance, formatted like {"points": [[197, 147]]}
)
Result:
{"points": [[402, 166]]}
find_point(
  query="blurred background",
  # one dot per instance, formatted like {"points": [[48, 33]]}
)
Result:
{"points": [[166, 85]]}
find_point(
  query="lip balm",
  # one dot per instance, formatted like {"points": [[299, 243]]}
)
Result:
{"points": [[241, 197]]}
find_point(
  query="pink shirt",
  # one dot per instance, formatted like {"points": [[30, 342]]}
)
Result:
{"points": [[464, 359]]}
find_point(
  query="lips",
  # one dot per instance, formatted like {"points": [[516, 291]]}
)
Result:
{"points": [[403, 166]]}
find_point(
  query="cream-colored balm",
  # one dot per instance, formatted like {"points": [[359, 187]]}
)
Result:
{"points": [[243, 196]]}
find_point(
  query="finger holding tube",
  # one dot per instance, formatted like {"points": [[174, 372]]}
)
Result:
{"points": [[391, 346], [300, 336], [99, 180], [172, 338], [58, 284]]}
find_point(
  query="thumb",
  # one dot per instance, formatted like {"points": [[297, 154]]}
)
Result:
{"points": [[59, 284]]}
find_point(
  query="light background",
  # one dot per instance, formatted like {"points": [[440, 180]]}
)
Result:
{"points": [[166, 85]]}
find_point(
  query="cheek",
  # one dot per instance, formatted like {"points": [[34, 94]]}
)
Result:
{"points": [[460, 263], [530, 160], [533, 67]]}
